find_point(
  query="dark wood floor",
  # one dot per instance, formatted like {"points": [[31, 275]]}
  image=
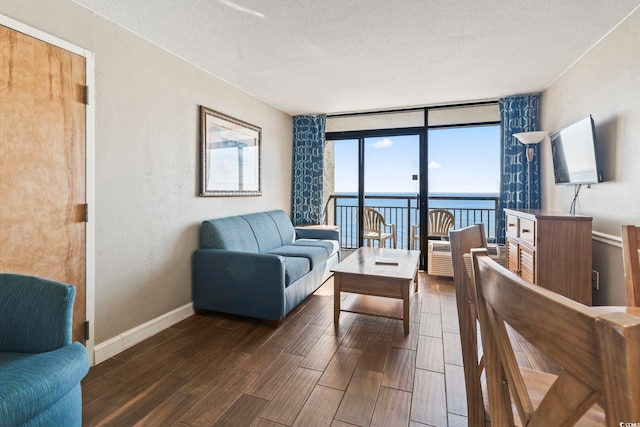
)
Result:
{"points": [[230, 371]]}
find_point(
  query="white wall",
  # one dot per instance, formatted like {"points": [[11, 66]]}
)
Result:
{"points": [[147, 212], [605, 83]]}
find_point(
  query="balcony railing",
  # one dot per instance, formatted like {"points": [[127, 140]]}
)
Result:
{"points": [[403, 211]]}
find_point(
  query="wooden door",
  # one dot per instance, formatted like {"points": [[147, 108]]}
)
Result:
{"points": [[42, 163]]}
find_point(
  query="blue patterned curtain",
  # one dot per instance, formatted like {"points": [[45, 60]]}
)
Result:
{"points": [[308, 169], [517, 114]]}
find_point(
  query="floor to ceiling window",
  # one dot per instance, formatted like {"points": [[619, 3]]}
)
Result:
{"points": [[390, 177], [342, 204], [464, 173], [404, 163], [391, 183]]}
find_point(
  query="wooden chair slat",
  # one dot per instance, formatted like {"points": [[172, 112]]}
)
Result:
{"points": [[462, 241], [519, 392], [565, 403], [631, 261], [619, 335]]}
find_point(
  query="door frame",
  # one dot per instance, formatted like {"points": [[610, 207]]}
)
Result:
{"points": [[89, 162]]}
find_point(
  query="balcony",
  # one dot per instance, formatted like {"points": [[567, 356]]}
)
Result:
{"points": [[402, 210]]}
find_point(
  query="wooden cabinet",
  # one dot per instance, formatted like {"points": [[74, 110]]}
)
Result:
{"points": [[552, 250]]}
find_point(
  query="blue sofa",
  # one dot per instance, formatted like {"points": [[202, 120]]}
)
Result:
{"points": [[259, 265], [40, 368]]}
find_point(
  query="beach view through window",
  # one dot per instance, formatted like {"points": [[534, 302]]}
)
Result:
{"points": [[464, 177]]}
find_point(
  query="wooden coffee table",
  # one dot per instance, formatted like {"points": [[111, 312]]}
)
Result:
{"points": [[363, 273]]}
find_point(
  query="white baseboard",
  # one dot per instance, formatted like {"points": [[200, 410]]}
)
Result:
{"points": [[118, 344]]}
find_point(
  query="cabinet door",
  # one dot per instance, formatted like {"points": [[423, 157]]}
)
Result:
{"points": [[512, 256], [527, 259]]}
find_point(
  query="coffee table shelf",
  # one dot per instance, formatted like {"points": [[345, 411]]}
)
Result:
{"points": [[360, 274]]}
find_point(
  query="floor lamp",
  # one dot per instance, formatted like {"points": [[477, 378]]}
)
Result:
{"points": [[529, 139]]}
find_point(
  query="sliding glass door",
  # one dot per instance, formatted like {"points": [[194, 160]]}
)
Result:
{"points": [[377, 172], [391, 185]]}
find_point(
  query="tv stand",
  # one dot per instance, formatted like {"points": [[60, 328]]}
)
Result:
{"points": [[552, 250]]}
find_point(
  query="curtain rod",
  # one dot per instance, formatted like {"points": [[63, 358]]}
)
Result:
{"points": [[402, 110]]}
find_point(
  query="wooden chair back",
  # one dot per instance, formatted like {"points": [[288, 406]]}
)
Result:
{"points": [[462, 241], [440, 222], [631, 261], [598, 352]]}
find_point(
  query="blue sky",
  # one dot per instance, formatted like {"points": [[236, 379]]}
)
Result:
{"points": [[461, 160]]}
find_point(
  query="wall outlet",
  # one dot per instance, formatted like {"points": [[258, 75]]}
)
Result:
{"points": [[595, 280]]}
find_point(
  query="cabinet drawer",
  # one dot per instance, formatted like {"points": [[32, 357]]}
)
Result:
{"points": [[527, 231], [512, 225]]}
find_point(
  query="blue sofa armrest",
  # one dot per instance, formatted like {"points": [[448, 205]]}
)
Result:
{"points": [[243, 283], [31, 383], [317, 233]]}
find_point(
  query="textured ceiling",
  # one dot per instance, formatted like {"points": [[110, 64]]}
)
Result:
{"points": [[314, 56]]}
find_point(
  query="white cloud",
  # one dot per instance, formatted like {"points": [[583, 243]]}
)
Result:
{"points": [[434, 165], [383, 143]]}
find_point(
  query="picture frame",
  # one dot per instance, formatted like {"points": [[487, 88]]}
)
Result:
{"points": [[230, 156]]}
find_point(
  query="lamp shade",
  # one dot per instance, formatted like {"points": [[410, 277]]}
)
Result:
{"points": [[531, 137]]}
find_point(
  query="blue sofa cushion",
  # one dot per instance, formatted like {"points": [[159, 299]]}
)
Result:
{"points": [[315, 255], [285, 228], [295, 268], [233, 234], [255, 233], [31, 383], [331, 246], [265, 231]]}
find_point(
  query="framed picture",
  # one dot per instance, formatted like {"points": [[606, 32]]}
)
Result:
{"points": [[230, 152]]}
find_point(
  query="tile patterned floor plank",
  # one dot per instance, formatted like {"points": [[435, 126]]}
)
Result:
{"points": [[214, 369]]}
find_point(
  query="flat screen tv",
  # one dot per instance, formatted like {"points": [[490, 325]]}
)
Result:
{"points": [[574, 154]]}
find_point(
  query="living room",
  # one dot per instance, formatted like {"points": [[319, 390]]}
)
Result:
{"points": [[145, 162]]}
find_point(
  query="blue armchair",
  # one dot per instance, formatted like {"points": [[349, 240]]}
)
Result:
{"points": [[40, 368]]}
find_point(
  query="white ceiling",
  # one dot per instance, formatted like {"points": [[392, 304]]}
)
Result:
{"points": [[330, 56]]}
